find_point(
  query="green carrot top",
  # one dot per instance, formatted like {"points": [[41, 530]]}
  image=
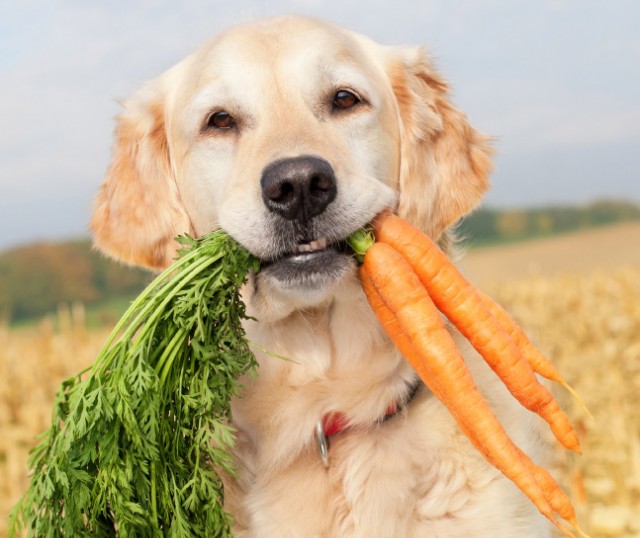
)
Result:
{"points": [[136, 441]]}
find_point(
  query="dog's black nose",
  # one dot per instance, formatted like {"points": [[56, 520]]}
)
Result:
{"points": [[298, 188]]}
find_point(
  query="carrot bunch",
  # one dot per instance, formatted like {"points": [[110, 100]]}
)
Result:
{"points": [[408, 281]]}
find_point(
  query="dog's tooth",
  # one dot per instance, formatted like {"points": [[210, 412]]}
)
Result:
{"points": [[316, 244]]}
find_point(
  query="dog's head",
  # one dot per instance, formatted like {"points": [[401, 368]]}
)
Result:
{"points": [[290, 134]]}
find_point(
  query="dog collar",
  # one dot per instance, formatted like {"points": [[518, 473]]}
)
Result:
{"points": [[336, 422]]}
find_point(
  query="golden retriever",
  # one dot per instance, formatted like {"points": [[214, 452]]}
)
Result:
{"points": [[290, 133]]}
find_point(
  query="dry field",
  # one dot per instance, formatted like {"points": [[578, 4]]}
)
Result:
{"points": [[33, 363], [579, 295], [580, 253]]}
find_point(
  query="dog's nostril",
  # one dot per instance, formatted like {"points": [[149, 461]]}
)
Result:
{"points": [[298, 188], [320, 184], [281, 193]]}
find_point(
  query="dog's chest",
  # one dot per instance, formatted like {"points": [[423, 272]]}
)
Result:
{"points": [[411, 475]]}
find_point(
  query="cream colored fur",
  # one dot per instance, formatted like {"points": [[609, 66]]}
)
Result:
{"points": [[408, 149]]}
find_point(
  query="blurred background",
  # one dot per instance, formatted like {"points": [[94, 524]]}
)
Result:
{"points": [[557, 240]]}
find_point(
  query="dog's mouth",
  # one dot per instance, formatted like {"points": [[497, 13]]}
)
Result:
{"points": [[310, 263], [306, 251]]}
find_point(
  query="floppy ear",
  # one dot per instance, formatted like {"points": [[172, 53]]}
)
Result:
{"points": [[138, 212], [444, 161]]}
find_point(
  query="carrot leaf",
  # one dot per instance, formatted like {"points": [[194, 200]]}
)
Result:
{"points": [[136, 443]]}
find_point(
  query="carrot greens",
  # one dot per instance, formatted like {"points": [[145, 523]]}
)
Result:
{"points": [[136, 442]]}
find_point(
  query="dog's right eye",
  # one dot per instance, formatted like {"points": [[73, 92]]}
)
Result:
{"points": [[221, 120], [344, 100]]}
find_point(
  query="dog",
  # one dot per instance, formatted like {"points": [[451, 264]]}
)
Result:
{"points": [[291, 133]]}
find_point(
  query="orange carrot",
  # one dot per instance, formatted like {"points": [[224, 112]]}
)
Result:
{"points": [[557, 498], [461, 303], [403, 275], [413, 323], [540, 364]]}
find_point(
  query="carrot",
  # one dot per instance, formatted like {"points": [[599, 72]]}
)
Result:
{"points": [[407, 279], [461, 303], [414, 325], [540, 364], [557, 498]]}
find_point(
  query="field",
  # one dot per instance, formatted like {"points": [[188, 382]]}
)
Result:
{"points": [[579, 253], [578, 295]]}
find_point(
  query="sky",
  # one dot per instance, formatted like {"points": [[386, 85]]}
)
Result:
{"points": [[557, 82]]}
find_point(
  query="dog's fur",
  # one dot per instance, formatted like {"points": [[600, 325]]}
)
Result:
{"points": [[404, 147]]}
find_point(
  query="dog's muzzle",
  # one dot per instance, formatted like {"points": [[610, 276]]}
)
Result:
{"points": [[298, 191]]}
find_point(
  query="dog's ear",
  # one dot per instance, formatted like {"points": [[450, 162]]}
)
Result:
{"points": [[138, 212], [444, 161]]}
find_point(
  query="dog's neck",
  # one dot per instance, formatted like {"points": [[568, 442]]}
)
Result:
{"points": [[336, 358]]}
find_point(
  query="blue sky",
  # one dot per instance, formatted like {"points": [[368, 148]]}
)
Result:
{"points": [[557, 82]]}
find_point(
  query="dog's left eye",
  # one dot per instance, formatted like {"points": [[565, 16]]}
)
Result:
{"points": [[221, 120], [344, 100]]}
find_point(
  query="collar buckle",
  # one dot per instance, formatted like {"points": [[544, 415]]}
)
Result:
{"points": [[323, 443]]}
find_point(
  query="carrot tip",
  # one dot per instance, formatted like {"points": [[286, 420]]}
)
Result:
{"points": [[577, 397], [563, 528], [580, 531], [573, 521], [572, 443]]}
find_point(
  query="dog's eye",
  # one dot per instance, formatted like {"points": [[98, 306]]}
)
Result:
{"points": [[344, 100], [221, 120]]}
